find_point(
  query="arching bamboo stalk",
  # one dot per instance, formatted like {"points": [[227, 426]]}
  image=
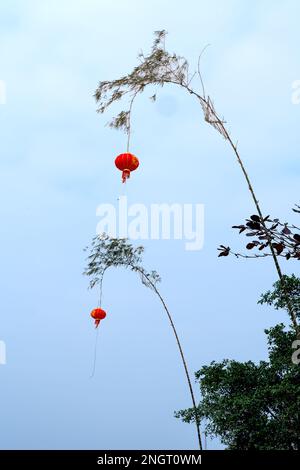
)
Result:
{"points": [[159, 68], [184, 363]]}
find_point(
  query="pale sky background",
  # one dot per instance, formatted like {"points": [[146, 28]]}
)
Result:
{"points": [[57, 167]]}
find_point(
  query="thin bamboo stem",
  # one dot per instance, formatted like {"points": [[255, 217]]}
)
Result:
{"points": [[257, 205], [225, 133], [180, 351]]}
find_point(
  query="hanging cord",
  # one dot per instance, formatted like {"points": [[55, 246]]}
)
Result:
{"points": [[128, 121], [122, 193], [97, 329], [122, 190], [95, 354], [100, 290]]}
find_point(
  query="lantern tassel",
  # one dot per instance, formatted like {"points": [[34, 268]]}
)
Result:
{"points": [[97, 321], [125, 175]]}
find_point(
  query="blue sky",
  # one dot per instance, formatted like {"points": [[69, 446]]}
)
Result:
{"points": [[57, 167]]}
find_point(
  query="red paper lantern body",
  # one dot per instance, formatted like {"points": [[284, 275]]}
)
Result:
{"points": [[126, 162], [98, 314]]}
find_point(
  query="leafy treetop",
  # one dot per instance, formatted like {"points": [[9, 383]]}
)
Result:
{"points": [[253, 406]]}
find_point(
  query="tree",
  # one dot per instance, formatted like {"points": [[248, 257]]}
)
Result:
{"points": [[285, 241], [106, 252], [160, 68], [255, 406], [280, 298], [284, 238]]}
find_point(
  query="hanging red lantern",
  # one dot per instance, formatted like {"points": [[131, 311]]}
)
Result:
{"points": [[98, 314], [126, 162]]}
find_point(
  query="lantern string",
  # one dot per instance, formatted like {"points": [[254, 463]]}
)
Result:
{"points": [[128, 128], [128, 140], [122, 190], [128, 124], [97, 329], [95, 354], [100, 291]]}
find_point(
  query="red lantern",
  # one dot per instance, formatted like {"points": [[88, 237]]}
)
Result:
{"points": [[98, 314], [126, 162]]}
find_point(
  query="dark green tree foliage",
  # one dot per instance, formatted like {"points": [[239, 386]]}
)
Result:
{"points": [[279, 299], [253, 406]]}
